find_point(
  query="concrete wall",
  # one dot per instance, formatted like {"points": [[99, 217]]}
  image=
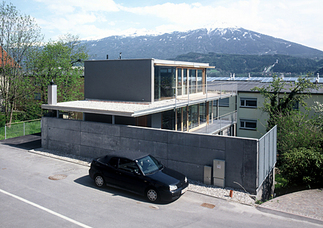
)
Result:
{"points": [[120, 80], [185, 152]]}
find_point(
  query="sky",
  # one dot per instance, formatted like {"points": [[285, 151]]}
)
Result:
{"points": [[297, 21]]}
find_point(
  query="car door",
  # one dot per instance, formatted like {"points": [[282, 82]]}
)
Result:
{"points": [[130, 176], [110, 172]]}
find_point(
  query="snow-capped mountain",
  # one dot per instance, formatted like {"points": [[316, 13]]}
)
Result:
{"points": [[218, 40]]}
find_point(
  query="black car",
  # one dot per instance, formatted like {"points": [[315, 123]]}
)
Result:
{"points": [[144, 175]]}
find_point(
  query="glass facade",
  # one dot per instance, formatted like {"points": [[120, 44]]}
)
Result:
{"points": [[171, 81], [179, 81]]}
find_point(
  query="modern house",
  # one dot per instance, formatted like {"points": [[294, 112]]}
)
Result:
{"points": [[155, 93], [169, 109]]}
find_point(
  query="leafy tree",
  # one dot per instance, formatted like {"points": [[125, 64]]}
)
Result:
{"points": [[299, 136], [19, 34], [60, 62], [281, 97], [296, 129]]}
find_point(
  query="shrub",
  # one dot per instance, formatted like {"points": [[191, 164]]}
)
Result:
{"points": [[302, 166]]}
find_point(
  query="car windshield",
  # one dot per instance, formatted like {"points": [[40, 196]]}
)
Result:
{"points": [[149, 164]]}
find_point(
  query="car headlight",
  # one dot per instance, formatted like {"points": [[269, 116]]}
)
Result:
{"points": [[172, 187], [185, 180]]}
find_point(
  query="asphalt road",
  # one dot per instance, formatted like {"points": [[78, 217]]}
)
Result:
{"points": [[38, 191]]}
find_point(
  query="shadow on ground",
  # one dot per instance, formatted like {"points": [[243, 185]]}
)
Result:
{"points": [[27, 142], [88, 182]]}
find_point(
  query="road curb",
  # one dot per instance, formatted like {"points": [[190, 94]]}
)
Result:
{"points": [[289, 215], [59, 157]]}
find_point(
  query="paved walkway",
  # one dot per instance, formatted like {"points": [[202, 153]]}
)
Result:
{"points": [[307, 204]]}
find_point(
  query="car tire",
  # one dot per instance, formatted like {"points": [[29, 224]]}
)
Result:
{"points": [[152, 195], [99, 181]]}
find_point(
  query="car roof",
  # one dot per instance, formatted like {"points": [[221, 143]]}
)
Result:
{"points": [[132, 155]]}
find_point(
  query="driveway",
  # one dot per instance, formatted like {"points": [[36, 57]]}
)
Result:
{"points": [[39, 191]]}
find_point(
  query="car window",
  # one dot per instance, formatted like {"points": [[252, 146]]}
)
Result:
{"points": [[114, 162], [149, 164], [104, 159], [128, 165]]}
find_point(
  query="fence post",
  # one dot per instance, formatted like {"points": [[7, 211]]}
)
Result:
{"points": [[5, 131], [24, 128]]}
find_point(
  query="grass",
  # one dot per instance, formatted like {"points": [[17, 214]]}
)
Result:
{"points": [[17, 129]]}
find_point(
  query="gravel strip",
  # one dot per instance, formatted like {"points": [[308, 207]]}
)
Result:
{"points": [[223, 193], [194, 186]]}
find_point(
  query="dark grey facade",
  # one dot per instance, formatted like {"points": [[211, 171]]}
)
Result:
{"points": [[119, 80]]}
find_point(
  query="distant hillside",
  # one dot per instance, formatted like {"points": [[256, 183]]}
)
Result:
{"points": [[258, 64], [225, 41]]}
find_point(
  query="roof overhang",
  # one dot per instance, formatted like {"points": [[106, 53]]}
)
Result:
{"points": [[158, 62], [127, 109]]}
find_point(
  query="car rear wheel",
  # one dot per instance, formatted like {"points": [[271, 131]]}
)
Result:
{"points": [[152, 195], [99, 181]]}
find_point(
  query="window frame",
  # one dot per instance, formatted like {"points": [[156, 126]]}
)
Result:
{"points": [[245, 99], [244, 127]]}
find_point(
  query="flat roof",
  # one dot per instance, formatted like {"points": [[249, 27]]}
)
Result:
{"points": [[129, 108], [160, 62]]}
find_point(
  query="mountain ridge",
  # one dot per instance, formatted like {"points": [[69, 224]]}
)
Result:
{"points": [[218, 40]]}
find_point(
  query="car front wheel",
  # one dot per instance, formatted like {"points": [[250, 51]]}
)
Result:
{"points": [[99, 181], [152, 195]]}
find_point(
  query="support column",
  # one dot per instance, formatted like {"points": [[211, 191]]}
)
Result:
{"points": [[182, 121], [207, 110], [187, 120], [175, 119]]}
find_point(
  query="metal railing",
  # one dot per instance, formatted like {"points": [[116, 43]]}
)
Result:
{"points": [[20, 129], [217, 124], [183, 95]]}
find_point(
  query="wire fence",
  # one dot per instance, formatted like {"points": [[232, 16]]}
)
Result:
{"points": [[20, 129]]}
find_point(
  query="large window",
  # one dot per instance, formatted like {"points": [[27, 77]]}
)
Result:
{"points": [[224, 102], [184, 81], [199, 80], [202, 113], [248, 102], [193, 116], [248, 124], [192, 83], [179, 82], [168, 120], [164, 82]]}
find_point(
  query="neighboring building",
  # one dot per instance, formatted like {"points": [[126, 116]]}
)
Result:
{"points": [[6, 60], [251, 120]]}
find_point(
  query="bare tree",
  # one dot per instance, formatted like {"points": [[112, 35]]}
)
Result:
{"points": [[19, 34]]}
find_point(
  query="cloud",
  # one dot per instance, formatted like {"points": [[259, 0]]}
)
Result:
{"points": [[86, 5]]}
